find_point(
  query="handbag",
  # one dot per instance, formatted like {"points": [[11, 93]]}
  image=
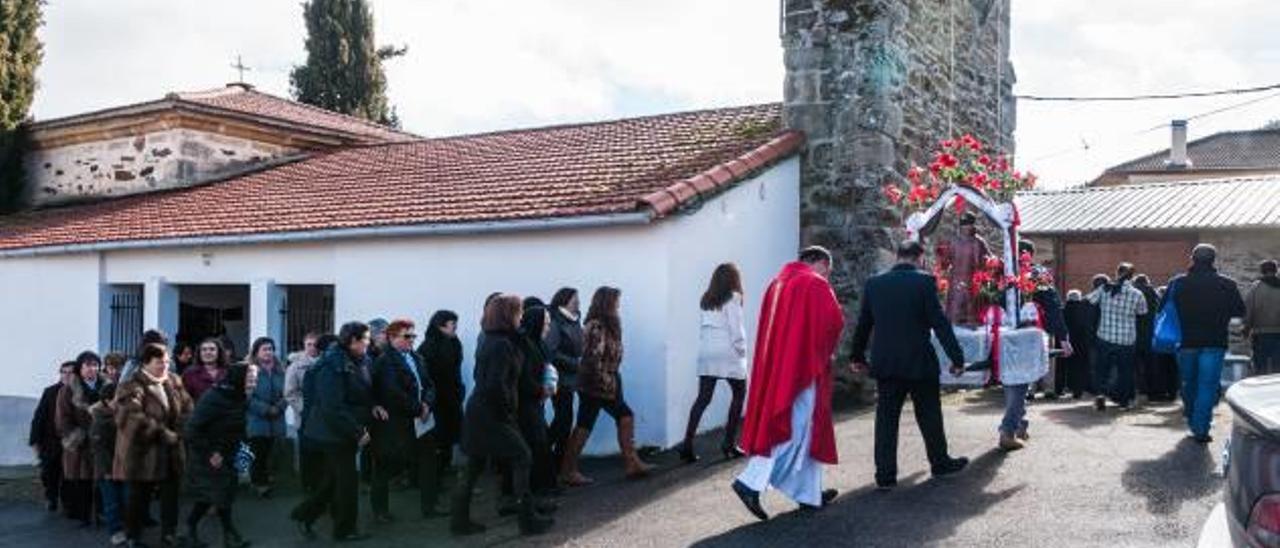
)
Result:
{"points": [[244, 458], [1167, 336]]}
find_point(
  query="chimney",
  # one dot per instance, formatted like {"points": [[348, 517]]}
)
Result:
{"points": [[1178, 148]]}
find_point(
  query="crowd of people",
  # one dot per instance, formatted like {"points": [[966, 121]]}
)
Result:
{"points": [[119, 433]]}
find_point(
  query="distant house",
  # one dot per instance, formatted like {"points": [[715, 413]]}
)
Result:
{"points": [[1087, 231], [234, 211], [1221, 155]]}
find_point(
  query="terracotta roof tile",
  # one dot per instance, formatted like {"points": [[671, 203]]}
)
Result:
{"points": [[590, 169], [247, 100]]}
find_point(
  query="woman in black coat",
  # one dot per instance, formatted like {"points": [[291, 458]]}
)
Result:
{"points": [[441, 353], [491, 429], [214, 434], [1082, 327], [564, 343], [532, 396]]}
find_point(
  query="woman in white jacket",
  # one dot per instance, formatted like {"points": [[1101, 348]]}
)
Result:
{"points": [[722, 354]]}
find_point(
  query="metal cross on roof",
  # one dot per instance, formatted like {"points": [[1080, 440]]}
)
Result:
{"points": [[241, 67]]}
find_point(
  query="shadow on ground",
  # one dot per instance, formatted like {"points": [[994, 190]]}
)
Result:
{"points": [[867, 518]]}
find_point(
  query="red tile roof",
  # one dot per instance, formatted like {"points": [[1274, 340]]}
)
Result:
{"points": [[650, 164], [246, 100]]}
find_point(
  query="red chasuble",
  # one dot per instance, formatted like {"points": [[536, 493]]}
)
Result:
{"points": [[800, 324]]}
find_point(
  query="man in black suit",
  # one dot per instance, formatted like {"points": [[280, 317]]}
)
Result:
{"points": [[899, 309], [44, 438]]}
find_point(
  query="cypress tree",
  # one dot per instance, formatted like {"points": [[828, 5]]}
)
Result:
{"points": [[20, 54], [343, 72]]}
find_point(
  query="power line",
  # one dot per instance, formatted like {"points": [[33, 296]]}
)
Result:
{"points": [[1147, 97]]}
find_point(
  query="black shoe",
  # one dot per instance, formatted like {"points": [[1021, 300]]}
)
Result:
{"points": [[432, 512], [352, 537], [1031, 395], [465, 529], [384, 519], [731, 452], [1202, 438], [829, 495], [686, 453], [231, 538], [885, 486], [1100, 403], [751, 499], [950, 467], [532, 522], [304, 528]]}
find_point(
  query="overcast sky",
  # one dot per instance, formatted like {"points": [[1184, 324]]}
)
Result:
{"points": [[476, 65]]}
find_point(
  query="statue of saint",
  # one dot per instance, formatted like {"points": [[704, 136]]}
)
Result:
{"points": [[963, 254]]}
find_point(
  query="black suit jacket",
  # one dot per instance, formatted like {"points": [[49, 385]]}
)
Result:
{"points": [[899, 309], [43, 430], [397, 391]]}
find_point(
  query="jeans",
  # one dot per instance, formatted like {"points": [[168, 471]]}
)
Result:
{"points": [[1015, 408], [112, 503], [1201, 371], [1117, 359], [1266, 353]]}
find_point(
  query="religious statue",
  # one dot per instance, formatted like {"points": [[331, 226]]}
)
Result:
{"points": [[960, 256]]}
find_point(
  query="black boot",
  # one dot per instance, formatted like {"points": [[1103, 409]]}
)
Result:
{"points": [[460, 523], [231, 538], [531, 522], [686, 452]]}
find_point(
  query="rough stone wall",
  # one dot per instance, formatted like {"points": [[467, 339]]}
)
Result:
{"points": [[875, 84], [139, 163], [1240, 253]]}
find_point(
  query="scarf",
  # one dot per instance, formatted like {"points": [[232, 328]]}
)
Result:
{"points": [[568, 314], [155, 385]]}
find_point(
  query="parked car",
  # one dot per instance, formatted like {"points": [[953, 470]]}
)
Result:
{"points": [[1249, 514]]}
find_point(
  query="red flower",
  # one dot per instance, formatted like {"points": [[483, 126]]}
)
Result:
{"points": [[1030, 181], [984, 160], [935, 168], [914, 174], [948, 161], [994, 263], [943, 284], [917, 194], [961, 204], [978, 180], [948, 143], [893, 194]]}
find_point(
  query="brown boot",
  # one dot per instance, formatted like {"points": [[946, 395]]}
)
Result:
{"points": [[1008, 442], [635, 468], [569, 474]]}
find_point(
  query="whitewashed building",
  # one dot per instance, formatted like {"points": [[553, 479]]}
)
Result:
{"points": [[343, 221]]}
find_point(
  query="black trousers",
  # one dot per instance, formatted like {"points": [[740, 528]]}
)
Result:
{"points": [[311, 465], [386, 464], [433, 457], [337, 492], [140, 493], [707, 389], [561, 425], [260, 470], [51, 478], [928, 411], [77, 498]]}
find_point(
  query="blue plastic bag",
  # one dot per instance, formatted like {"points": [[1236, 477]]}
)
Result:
{"points": [[1168, 329]]}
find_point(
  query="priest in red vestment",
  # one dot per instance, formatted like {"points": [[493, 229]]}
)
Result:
{"points": [[788, 431]]}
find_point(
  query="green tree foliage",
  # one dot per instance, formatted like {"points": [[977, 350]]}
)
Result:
{"points": [[343, 72], [20, 54]]}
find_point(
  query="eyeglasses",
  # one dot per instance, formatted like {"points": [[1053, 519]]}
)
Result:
{"points": [[409, 336]]}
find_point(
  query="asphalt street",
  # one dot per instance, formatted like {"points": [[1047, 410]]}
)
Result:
{"points": [[1087, 479]]}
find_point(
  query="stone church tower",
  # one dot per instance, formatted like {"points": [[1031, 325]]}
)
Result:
{"points": [[875, 84]]}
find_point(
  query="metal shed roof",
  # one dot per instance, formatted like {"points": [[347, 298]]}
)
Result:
{"points": [[1215, 204]]}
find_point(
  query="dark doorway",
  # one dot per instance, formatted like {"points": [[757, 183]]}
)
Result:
{"points": [[214, 311]]}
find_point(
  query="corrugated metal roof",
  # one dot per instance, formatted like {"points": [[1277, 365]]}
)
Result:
{"points": [[1244, 202]]}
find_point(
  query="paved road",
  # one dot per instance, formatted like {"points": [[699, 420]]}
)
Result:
{"points": [[1088, 479]]}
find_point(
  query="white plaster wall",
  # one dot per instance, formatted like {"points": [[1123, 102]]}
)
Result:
{"points": [[415, 277], [48, 314], [757, 226]]}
